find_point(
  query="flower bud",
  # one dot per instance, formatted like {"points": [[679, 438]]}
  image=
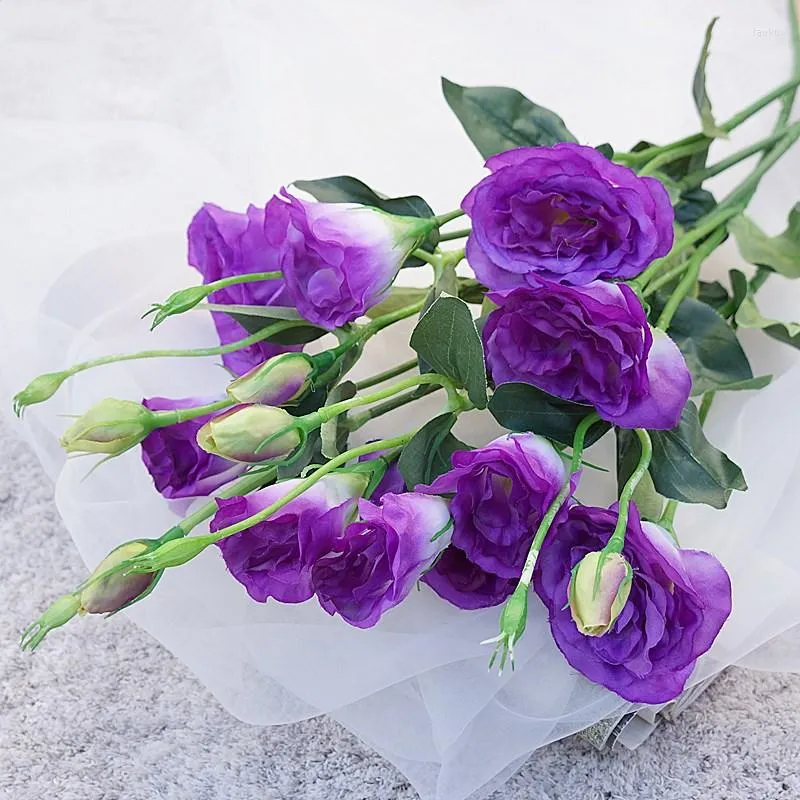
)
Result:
{"points": [[112, 427], [112, 593], [250, 434], [58, 613], [598, 591], [39, 390], [177, 303], [281, 380]]}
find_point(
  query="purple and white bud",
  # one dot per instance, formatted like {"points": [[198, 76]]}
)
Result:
{"points": [[282, 380], [250, 434], [598, 590]]}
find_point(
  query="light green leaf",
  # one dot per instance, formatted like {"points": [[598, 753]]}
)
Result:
{"points": [[497, 119], [748, 316], [780, 253], [399, 297], [700, 93]]}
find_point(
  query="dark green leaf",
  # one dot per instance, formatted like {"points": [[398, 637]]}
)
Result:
{"points": [[346, 189], [780, 253], [311, 454], [301, 334], [629, 451], [739, 289], [522, 407], [446, 338], [692, 205], [497, 119], [699, 92], [688, 468], [429, 452], [711, 348], [713, 294], [685, 165], [605, 149], [471, 291]]}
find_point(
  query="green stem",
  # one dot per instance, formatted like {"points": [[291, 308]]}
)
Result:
{"points": [[617, 540], [232, 347], [758, 280], [379, 323], [550, 514], [248, 277], [357, 421], [442, 219], [694, 179], [428, 258], [705, 407], [689, 279], [672, 155], [459, 234], [166, 418], [387, 375], [667, 518]]}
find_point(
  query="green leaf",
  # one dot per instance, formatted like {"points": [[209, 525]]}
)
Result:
{"points": [[699, 92], [429, 452], [346, 189], [497, 119], [688, 468], [780, 253], [446, 339], [748, 316], [713, 294], [399, 297], [522, 407], [334, 432], [605, 149], [471, 291], [711, 349], [692, 205], [629, 451], [255, 322]]}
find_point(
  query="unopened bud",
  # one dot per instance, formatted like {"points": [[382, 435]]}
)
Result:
{"points": [[57, 614], [282, 380], [39, 390], [177, 303], [117, 590], [112, 427], [250, 434], [598, 590]]}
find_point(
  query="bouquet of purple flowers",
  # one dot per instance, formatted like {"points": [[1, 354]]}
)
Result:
{"points": [[582, 314]]}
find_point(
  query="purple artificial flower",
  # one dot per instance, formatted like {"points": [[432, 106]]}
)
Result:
{"points": [[464, 584], [225, 243], [274, 557], [178, 466], [678, 602], [376, 562], [501, 492], [589, 344], [565, 213], [338, 260]]}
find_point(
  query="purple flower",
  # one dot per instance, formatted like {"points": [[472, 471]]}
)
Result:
{"points": [[376, 562], [338, 260], [502, 491], [225, 243], [274, 557], [464, 584], [588, 344], [678, 602], [565, 213], [392, 481], [176, 463]]}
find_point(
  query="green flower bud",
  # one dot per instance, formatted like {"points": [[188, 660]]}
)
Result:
{"points": [[598, 590], [39, 390], [513, 620], [282, 380], [112, 593], [250, 434], [177, 303], [112, 427], [57, 614]]}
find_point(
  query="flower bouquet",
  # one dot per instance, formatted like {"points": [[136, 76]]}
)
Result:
{"points": [[565, 302]]}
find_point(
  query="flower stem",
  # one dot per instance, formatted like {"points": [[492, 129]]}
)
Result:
{"points": [[359, 420], [384, 321], [388, 374], [550, 514], [247, 277], [617, 540], [442, 219], [689, 279], [428, 258], [166, 418], [459, 234]]}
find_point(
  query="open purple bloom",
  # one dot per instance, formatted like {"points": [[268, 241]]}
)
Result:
{"points": [[178, 466], [589, 344], [274, 557], [501, 492], [464, 584], [376, 562], [225, 243], [338, 260], [678, 602], [565, 213]]}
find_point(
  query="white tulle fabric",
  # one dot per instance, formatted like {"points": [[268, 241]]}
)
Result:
{"points": [[122, 118]]}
